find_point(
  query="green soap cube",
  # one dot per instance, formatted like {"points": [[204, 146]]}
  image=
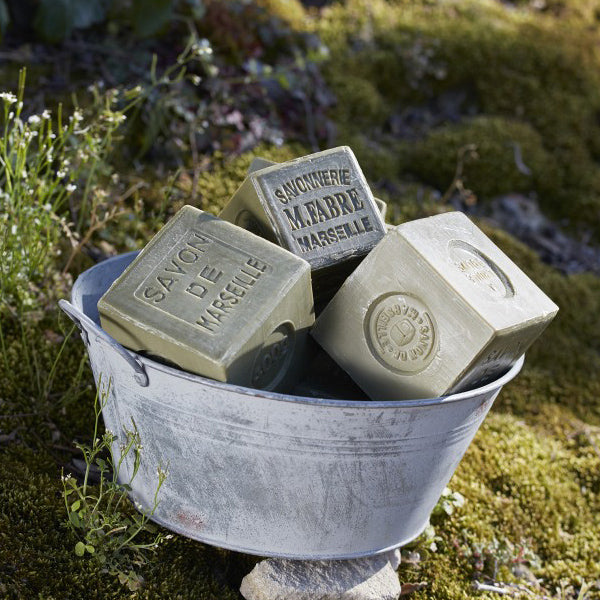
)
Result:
{"points": [[258, 162], [435, 308], [318, 206], [216, 300]]}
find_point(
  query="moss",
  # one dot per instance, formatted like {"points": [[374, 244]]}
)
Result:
{"points": [[290, 11], [33, 540], [524, 504], [520, 68], [518, 481], [34, 543], [218, 185], [495, 171], [46, 389], [359, 101]]}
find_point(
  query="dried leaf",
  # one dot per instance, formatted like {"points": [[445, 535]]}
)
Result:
{"points": [[409, 588]]}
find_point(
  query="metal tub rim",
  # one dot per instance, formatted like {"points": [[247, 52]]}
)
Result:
{"points": [[416, 403]]}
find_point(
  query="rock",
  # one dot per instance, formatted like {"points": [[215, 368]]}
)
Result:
{"points": [[372, 578], [394, 557], [522, 217]]}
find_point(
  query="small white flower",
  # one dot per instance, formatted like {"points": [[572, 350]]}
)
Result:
{"points": [[34, 120], [71, 188], [8, 97], [196, 80], [60, 173], [46, 114], [203, 48]]}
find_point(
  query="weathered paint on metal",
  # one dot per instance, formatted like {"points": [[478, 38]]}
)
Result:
{"points": [[277, 475]]}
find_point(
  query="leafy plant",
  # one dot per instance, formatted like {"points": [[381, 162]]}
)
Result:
{"points": [[488, 557], [101, 516], [43, 160], [55, 179], [448, 502], [444, 508]]}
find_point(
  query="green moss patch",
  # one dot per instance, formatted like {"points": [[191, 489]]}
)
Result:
{"points": [[532, 489], [37, 555], [563, 366], [532, 83], [498, 143], [217, 185]]}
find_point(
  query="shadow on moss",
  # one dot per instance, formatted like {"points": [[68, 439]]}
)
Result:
{"points": [[428, 69]]}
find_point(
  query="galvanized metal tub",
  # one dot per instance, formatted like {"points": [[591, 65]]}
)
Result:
{"points": [[272, 474]]}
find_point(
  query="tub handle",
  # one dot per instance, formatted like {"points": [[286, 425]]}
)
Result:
{"points": [[85, 324]]}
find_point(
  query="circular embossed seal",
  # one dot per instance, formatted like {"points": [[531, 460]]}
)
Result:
{"points": [[272, 362], [401, 332], [480, 270]]}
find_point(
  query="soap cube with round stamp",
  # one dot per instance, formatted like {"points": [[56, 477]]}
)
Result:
{"points": [[213, 299], [435, 308]]}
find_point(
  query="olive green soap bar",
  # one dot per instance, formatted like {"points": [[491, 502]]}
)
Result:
{"points": [[435, 308], [318, 207], [215, 300], [258, 162]]}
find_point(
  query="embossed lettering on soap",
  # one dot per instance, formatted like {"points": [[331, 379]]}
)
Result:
{"points": [[200, 267], [322, 207]]}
